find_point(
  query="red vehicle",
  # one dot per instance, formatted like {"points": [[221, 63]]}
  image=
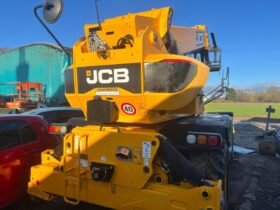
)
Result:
{"points": [[22, 139]]}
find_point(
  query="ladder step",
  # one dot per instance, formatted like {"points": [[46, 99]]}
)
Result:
{"points": [[72, 179], [75, 172], [72, 155], [69, 169]]}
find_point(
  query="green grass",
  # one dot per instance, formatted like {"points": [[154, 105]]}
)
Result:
{"points": [[244, 109]]}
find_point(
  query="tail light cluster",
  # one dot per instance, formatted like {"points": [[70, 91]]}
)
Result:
{"points": [[203, 139], [57, 129]]}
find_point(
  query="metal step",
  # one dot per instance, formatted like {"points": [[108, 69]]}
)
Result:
{"points": [[73, 174]]}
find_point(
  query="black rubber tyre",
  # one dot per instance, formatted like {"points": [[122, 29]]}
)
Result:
{"points": [[76, 121], [268, 147], [212, 164]]}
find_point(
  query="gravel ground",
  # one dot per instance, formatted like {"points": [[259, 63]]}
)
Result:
{"points": [[254, 178]]}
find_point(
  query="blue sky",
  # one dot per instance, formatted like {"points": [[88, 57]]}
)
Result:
{"points": [[247, 30]]}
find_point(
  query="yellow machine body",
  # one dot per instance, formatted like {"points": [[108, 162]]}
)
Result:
{"points": [[149, 30], [137, 48], [135, 183]]}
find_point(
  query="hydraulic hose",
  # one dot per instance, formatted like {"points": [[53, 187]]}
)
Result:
{"points": [[178, 164]]}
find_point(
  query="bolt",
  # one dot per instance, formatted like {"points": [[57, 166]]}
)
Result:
{"points": [[205, 194], [146, 169]]}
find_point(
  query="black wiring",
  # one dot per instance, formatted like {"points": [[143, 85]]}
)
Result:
{"points": [[127, 39]]}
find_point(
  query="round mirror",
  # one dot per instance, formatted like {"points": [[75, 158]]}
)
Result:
{"points": [[52, 10]]}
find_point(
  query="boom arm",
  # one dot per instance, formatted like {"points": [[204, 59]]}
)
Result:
{"points": [[194, 41]]}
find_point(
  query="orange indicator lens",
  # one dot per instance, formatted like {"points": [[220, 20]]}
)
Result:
{"points": [[201, 139], [57, 129]]}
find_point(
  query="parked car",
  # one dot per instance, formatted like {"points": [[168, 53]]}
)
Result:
{"points": [[61, 120], [57, 114], [22, 139]]}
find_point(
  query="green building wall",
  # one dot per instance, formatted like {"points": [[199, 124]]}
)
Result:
{"points": [[38, 62]]}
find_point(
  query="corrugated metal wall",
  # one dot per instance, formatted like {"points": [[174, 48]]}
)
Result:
{"points": [[39, 62]]}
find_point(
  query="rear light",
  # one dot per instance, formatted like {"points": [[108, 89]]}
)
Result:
{"points": [[51, 129], [57, 129], [203, 139], [63, 129], [191, 139], [214, 140]]}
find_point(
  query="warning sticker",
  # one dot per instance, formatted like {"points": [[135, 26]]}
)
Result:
{"points": [[146, 162], [146, 150], [103, 158], [141, 108], [128, 109], [84, 160]]}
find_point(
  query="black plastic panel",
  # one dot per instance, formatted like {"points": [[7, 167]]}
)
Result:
{"points": [[101, 172], [168, 77], [177, 130], [101, 111]]}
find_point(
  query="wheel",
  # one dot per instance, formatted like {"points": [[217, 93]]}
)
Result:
{"points": [[268, 147], [214, 166], [75, 121]]}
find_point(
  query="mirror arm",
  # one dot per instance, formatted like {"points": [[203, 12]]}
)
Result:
{"points": [[49, 31], [98, 19]]}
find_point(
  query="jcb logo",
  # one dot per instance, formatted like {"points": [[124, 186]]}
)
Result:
{"points": [[125, 76], [199, 38], [108, 76]]}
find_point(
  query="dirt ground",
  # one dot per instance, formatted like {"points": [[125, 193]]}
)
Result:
{"points": [[254, 179]]}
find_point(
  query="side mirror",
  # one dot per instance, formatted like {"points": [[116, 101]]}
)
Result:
{"points": [[52, 10]]}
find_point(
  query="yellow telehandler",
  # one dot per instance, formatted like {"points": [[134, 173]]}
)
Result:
{"points": [[146, 143]]}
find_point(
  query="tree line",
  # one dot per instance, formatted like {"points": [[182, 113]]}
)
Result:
{"points": [[271, 94]]}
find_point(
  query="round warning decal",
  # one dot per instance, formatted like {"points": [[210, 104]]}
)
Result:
{"points": [[128, 109]]}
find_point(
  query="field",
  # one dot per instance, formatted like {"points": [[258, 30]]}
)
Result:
{"points": [[246, 110]]}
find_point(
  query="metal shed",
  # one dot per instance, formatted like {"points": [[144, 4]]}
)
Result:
{"points": [[38, 62]]}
